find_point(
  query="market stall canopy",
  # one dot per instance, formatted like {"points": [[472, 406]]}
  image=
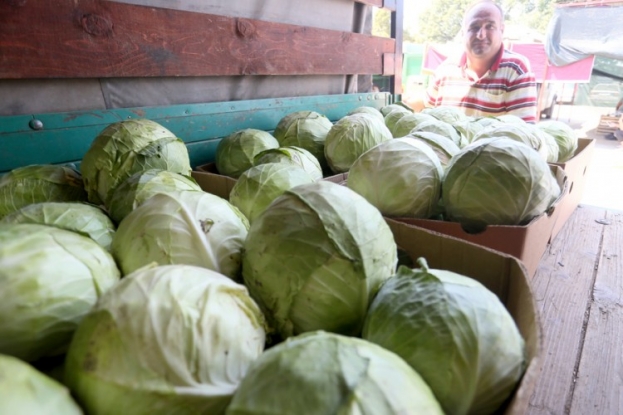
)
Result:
{"points": [[582, 30], [576, 72]]}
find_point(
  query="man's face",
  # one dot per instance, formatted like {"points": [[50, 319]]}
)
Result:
{"points": [[482, 31]]}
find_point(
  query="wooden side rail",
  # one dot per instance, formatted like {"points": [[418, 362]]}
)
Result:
{"points": [[99, 39]]}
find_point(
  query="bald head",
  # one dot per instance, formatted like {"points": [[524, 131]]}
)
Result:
{"points": [[479, 3]]}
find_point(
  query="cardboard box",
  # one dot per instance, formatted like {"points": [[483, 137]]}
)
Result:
{"points": [[209, 179], [501, 273], [527, 243], [339, 178], [576, 169]]}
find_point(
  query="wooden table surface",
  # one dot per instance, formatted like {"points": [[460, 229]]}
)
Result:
{"points": [[579, 293]]}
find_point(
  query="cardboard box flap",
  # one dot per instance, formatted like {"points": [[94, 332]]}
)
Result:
{"points": [[216, 184]]}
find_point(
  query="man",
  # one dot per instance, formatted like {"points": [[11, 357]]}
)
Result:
{"points": [[486, 80]]}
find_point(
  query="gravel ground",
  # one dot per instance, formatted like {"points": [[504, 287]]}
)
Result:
{"points": [[604, 187]]}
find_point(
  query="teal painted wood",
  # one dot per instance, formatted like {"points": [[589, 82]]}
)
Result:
{"points": [[65, 137]]}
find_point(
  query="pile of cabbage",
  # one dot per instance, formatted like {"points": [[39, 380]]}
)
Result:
{"points": [[125, 288], [442, 164]]}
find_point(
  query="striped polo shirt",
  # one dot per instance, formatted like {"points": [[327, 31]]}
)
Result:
{"points": [[509, 87]]}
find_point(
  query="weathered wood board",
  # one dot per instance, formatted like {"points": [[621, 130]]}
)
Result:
{"points": [[96, 39], [563, 287]]}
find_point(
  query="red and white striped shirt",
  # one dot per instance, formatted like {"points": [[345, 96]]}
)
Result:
{"points": [[509, 87]]}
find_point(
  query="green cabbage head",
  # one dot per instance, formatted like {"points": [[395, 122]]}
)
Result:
{"points": [[393, 117], [126, 147], [83, 218], [139, 187], [401, 177], [173, 339], [404, 124], [352, 136], [305, 129], [257, 187], [236, 152], [49, 280], [497, 181], [293, 155], [398, 106], [315, 258], [182, 227], [521, 133], [39, 183], [25, 390], [324, 373], [443, 146], [564, 135], [446, 114], [442, 128], [368, 110], [454, 332]]}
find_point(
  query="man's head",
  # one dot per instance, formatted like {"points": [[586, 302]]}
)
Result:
{"points": [[483, 26]]}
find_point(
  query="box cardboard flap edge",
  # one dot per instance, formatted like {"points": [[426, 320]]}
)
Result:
{"points": [[526, 242], [503, 274], [214, 183]]}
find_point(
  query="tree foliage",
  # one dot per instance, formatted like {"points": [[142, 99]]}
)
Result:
{"points": [[441, 21]]}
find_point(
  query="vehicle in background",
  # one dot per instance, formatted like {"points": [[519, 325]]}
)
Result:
{"points": [[605, 95]]}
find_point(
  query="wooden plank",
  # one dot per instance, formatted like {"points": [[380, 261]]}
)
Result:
{"points": [[599, 385], [65, 137], [562, 287], [94, 38]]}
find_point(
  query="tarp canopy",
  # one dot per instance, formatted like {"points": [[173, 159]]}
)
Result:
{"points": [[577, 32]]}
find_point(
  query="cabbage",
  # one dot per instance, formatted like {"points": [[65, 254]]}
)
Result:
{"points": [[386, 109], [314, 259], [392, 118], [401, 177], [85, 219], [323, 373], [441, 128], [294, 155], [488, 121], [182, 227], [350, 137], [305, 129], [468, 129], [454, 332], [565, 137], [127, 147], [25, 390], [520, 133], [235, 153], [174, 339], [257, 187], [368, 110], [49, 280], [511, 119], [548, 143], [39, 183], [497, 181], [447, 114], [134, 190], [443, 146], [405, 124]]}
